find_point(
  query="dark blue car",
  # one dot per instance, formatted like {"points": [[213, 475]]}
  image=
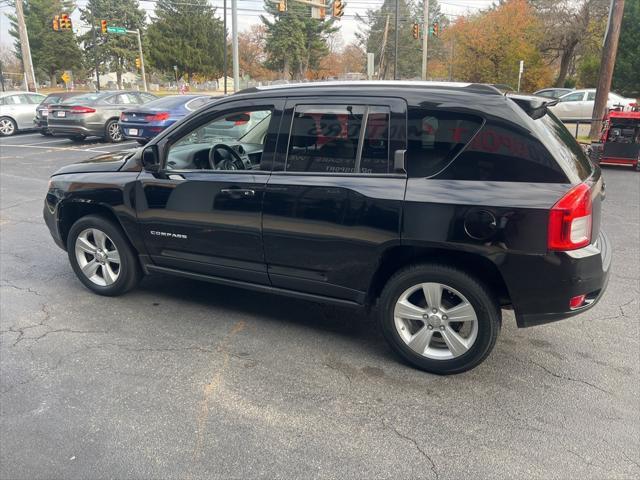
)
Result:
{"points": [[145, 122]]}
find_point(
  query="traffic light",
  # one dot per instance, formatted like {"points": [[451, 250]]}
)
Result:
{"points": [[138, 64], [56, 23], [103, 26], [436, 30], [416, 31], [338, 8], [65, 22], [282, 6]]}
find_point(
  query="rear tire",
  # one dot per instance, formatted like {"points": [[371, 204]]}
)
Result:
{"points": [[446, 346], [102, 257], [112, 132], [7, 127], [142, 142]]}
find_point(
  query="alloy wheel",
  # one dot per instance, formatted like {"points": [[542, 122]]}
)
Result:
{"points": [[114, 132], [97, 257], [7, 127], [436, 321]]}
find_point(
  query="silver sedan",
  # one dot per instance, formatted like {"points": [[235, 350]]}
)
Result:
{"points": [[17, 110]]}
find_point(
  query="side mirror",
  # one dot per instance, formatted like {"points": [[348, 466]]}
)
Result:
{"points": [[151, 158], [398, 161]]}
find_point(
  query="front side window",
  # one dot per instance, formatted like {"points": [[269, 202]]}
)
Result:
{"points": [[232, 140], [339, 139]]}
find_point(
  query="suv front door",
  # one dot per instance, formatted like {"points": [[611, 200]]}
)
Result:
{"points": [[206, 220], [333, 203]]}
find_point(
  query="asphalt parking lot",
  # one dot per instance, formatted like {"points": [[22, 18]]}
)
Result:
{"points": [[181, 379]]}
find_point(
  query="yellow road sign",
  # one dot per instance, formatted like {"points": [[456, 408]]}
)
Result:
{"points": [[66, 77]]}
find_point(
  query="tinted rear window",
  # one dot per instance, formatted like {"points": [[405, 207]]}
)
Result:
{"points": [[90, 97], [168, 102]]}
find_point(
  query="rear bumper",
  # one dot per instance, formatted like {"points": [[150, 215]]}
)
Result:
{"points": [[143, 131], [541, 291], [40, 123]]}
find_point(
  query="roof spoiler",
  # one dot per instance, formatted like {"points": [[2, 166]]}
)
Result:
{"points": [[535, 107]]}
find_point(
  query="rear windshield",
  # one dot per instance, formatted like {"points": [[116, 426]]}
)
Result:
{"points": [[52, 99], [172, 101], [565, 149], [89, 97]]}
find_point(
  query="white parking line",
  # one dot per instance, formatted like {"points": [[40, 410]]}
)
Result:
{"points": [[60, 149], [47, 141]]}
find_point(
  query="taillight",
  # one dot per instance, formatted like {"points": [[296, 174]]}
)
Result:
{"points": [[79, 109], [570, 220], [157, 117]]}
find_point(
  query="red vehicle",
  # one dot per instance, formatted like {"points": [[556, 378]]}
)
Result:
{"points": [[620, 139]]}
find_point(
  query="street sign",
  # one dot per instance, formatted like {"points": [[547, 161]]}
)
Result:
{"points": [[116, 30], [65, 77]]}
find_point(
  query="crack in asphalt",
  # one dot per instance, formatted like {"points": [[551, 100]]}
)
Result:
{"points": [[6, 283], [563, 377], [388, 426]]}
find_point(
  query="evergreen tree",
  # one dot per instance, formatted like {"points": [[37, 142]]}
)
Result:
{"points": [[114, 51], [372, 37], [188, 35], [295, 43], [52, 52], [626, 75]]}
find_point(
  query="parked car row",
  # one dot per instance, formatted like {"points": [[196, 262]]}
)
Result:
{"points": [[578, 104], [111, 115]]}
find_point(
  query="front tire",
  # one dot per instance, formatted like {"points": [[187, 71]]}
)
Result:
{"points": [[102, 257], [438, 318], [7, 127], [77, 138], [113, 133]]}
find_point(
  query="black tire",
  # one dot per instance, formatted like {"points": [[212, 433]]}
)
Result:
{"points": [[142, 142], [45, 132], [77, 138], [9, 127], [130, 272], [112, 134], [481, 299]]}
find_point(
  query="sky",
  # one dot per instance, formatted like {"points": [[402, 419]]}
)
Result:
{"points": [[249, 14]]}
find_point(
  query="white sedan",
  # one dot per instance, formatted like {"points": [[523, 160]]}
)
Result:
{"points": [[578, 105]]}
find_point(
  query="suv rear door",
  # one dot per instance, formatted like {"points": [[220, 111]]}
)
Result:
{"points": [[333, 202]]}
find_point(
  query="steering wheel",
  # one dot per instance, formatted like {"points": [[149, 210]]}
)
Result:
{"points": [[233, 163]]}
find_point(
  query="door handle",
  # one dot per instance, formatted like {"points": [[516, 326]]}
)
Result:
{"points": [[238, 192]]}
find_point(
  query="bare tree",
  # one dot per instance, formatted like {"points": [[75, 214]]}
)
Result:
{"points": [[566, 29]]}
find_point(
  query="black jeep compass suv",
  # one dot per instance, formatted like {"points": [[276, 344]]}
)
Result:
{"points": [[436, 205]]}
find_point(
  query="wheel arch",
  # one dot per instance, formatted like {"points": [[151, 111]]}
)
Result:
{"points": [[401, 256], [72, 211]]}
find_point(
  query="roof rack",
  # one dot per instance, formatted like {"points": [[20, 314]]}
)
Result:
{"points": [[475, 87]]}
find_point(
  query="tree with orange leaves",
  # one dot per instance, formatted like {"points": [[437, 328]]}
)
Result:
{"points": [[489, 46]]}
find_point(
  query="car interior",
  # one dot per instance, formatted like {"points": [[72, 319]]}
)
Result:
{"points": [[232, 142]]}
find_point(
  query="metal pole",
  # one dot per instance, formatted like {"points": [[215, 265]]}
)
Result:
{"points": [[1, 76], [25, 49], [234, 42], [144, 77], [395, 55], [224, 54], [425, 37], [95, 49]]}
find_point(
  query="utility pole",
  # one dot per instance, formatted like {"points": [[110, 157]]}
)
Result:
{"points": [[425, 37], [395, 55], [607, 62], [234, 47], [382, 67], [144, 77], [25, 48], [224, 53], [453, 45], [95, 49]]}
